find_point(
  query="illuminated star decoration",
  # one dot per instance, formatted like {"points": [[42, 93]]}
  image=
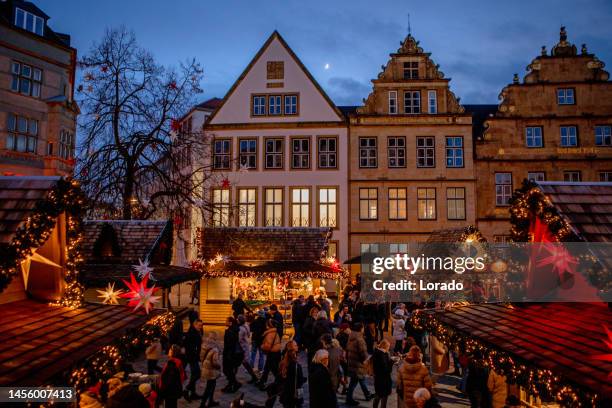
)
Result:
{"points": [[606, 357], [562, 262], [143, 269], [110, 296], [225, 183], [139, 294]]}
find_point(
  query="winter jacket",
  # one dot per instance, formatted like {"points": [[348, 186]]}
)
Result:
{"points": [[498, 388], [399, 333], [356, 354], [192, 344], [232, 352], [238, 306], [295, 380], [308, 333], [280, 324], [211, 366], [321, 327], [171, 380], [439, 356], [244, 337], [271, 341], [258, 327], [383, 365], [336, 357], [322, 394], [342, 338], [410, 377]]}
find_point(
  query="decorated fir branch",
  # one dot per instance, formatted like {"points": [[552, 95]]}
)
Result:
{"points": [[539, 382], [67, 198]]}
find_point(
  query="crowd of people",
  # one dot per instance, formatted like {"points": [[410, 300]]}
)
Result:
{"points": [[342, 349]]}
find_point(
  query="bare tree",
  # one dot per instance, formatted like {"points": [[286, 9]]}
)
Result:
{"points": [[131, 160]]}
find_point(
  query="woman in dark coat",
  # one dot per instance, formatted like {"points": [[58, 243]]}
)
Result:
{"points": [[232, 355], [292, 377], [322, 393], [171, 379], [382, 365]]}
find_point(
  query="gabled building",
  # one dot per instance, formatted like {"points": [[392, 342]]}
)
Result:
{"points": [[37, 110], [410, 156], [555, 125]]}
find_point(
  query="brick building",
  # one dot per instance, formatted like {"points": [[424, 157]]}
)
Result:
{"points": [[555, 125], [37, 110], [410, 156]]}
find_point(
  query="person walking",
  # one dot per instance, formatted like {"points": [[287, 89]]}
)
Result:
{"points": [[308, 334], [382, 366], [239, 306], [277, 317], [258, 327], [232, 355], [321, 327], [399, 332], [297, 318], [153, 354], [271, 345], [336, 359], [322, 394], [476, 382], [211, 370], [291, 377], [244, 338], [356, 355], [193, 346], [171, 378], [411, 376]]}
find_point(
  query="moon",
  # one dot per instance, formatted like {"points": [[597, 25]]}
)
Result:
{"points": [[326, 67]]}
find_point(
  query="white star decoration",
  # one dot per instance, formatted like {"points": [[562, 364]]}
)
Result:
{"points": [[143, 269], [110, 296]]}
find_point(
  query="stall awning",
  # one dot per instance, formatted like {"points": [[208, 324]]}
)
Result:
{"points": [[39, 342], [565, 338], [165, 276]]}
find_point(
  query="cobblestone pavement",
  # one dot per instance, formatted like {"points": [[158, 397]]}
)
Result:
{"points": [[445, 388]]}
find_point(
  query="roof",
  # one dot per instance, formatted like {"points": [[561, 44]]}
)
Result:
{"points": [[6, 17], [480, 113], [39, 342], [587, 207], [18, 198], [262, 243], [137, 239], [211, 104], [446, 235], [348, 110], [165, 276], [561, 337]]}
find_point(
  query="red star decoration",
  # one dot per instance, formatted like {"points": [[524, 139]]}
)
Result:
{"points": [[175, 125], [139, 294], [608, 342], [104, 68], [562, 262], [172, 85], [225, 183]]}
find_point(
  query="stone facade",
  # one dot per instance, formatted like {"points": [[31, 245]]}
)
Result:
{"points": [[554, 125], [398, 149], [37, 111]]}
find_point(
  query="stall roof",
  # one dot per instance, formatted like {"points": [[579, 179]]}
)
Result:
{"points": [[39, 342], [586, 206], [446, 235], [165, 276], [561, 337]]}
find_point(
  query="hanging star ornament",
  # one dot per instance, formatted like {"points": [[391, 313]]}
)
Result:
{"points": [[139, 294], [225, 183], [143, 269], [608, 356], [110, 296]]}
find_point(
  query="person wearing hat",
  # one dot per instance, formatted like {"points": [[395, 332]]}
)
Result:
{"points": [[146, 390]]}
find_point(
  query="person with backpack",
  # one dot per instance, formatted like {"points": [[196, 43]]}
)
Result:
{"points": [[271, 345]]}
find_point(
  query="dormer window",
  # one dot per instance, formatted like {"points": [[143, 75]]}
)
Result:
{"points": [[411, 70], [29, 21]]}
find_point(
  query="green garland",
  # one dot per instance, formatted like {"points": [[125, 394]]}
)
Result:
{"points": [[65, 197], [538, 382]]}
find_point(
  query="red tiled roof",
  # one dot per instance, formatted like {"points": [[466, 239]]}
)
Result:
{"points": [[212, 103], [265, 244], [137, 239], [18, 198], [561, 337], [586, 206], [39, 342]]}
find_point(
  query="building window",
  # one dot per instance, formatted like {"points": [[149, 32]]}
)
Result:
{"points": [[605, 176], [398, 204], [503, 188], [533, 135], [327, 152], [29, 21], [433, 102], [396, 248], [603, 135], [572, 176], [274, 153], [332, 249], [300, 153], [426, 203], [367, 152], [368, 203], [412, 102], [392, 102], [259, 105], [504, 240], [291, 104], [248, 153], [568, 136], [396, 147], [221, 158], [247, 207], [274, 105], [565, 96], [328, 207], [22, 134], [221, 207], [49, 148], [366, 252], [454, 151], [26, 79], [536, 176], [300, 207], [411, 70], [455, 203], [273, 207], [275, 69], [426, 151], [66, 145]]}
